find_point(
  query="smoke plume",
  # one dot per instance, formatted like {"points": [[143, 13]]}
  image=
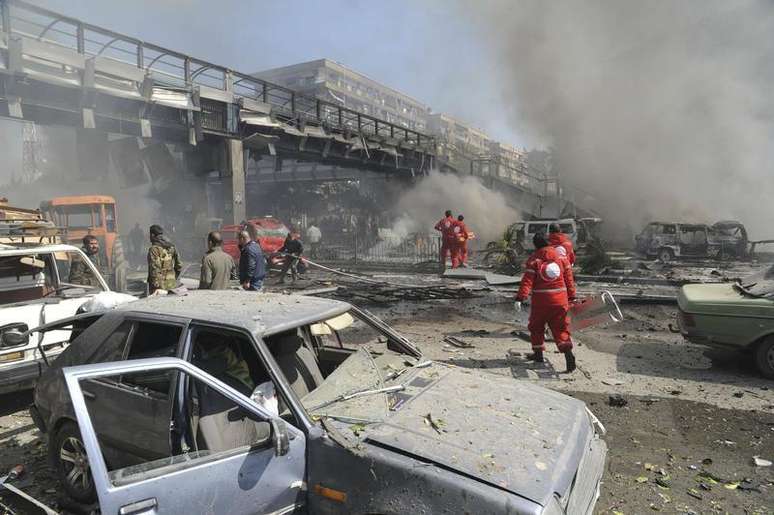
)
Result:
{"points": [[486, 211], [655, 110]]}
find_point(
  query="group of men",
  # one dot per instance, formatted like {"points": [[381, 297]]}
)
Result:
{"points": [[454, 240]]}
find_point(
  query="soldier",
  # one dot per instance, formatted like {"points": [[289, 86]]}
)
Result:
{"points": [[80, 273], [163, 261]]}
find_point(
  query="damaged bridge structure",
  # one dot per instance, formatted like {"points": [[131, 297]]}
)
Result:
{"points": [[57, 70]]}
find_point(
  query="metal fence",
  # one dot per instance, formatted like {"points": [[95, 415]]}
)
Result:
{"points": [[412, 250]]}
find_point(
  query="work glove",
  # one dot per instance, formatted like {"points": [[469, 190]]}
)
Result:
{"points": [[518, 306]]}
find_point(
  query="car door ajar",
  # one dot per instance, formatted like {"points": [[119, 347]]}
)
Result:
{"points": [[266, 477]]}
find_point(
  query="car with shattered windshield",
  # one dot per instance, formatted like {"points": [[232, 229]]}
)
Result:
{"points": [[37, 287], [268, 403], [733, 316]]}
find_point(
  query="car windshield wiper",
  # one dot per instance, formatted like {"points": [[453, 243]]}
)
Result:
{"points": [[355, 395]]}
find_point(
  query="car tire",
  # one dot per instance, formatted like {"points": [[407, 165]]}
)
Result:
{"points": [[764, 357], [666, 255], [71, 464]]}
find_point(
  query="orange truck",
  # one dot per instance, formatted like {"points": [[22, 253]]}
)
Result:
{"points": [[96, 215]]}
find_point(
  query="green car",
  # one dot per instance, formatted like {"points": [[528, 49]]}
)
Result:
{"points": [[738, 315]]}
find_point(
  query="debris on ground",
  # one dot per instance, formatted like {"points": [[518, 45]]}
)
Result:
{"points": [[617, 400]]}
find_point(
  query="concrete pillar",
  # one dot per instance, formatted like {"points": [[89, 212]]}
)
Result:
{"points": [[236, 165]]}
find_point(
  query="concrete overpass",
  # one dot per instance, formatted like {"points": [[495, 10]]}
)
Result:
{"points": [[62, 71]]}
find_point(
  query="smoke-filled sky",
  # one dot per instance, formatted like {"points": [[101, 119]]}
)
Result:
{"points": [[659, 109], [656, 109]]}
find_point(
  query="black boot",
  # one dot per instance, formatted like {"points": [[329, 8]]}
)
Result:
{"points": [[569, 358], [536, 356]]}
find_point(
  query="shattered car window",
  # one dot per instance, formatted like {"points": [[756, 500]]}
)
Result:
{"points": [[24, 278]]}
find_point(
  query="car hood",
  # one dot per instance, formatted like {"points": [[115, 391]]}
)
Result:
{"points": [[722, 299], [510, 434]]}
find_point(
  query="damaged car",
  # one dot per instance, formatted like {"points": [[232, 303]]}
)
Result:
{"points": [[732, 315], [230, 402], [667, 241]]}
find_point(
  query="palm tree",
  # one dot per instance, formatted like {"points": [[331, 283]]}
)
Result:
{"points": [[505, 254]]}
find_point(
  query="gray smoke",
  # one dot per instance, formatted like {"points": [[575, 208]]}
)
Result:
{"points": [[487, 213], [657, 109]]}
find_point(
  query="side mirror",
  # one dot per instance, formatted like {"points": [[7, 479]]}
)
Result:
{"points": [[279, 437], [13, 338]]}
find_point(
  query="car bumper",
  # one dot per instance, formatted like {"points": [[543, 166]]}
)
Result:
{"points": [[37, 418], [19, 376]]}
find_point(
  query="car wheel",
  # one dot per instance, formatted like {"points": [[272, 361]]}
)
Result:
{"points": [[764, 357], [71, 463], [666, 255]]}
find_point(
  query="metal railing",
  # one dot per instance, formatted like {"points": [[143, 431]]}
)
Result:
{"points": [[414, 249], [177, 70]]}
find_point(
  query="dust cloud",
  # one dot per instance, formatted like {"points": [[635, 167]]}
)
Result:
{"points": [[487, 213], [655, 110]]}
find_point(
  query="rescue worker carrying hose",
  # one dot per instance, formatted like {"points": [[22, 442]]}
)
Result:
{"points": [[561, 242], [448, 243], [548, 276]]}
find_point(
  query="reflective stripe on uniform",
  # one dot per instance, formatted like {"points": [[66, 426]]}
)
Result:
{"points": [[550, 290]]}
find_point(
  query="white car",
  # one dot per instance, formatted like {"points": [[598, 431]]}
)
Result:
{"points": [[36, 288]]}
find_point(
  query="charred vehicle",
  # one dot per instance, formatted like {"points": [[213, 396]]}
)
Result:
{"points": [[268, 403], [667, 241], [738, 316]]}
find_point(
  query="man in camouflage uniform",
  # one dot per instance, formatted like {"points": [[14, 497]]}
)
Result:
{"points": [[80, 273], [163, 262]]}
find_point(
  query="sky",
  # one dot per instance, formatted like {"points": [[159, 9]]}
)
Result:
{"points": [[424, 48]]}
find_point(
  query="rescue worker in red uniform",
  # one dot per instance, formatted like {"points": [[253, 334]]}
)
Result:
{"points": [[446, 227], [461, 236], [561, 243], [548, 276]]}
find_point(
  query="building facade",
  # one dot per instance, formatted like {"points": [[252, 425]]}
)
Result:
{"points": [[461, 146], [336, 83]]}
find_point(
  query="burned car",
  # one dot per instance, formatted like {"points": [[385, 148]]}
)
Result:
{"points": [[232, 402], [667, 241], [732, 315]]}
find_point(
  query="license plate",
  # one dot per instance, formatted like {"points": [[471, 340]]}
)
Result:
{"points": [[14, 356]]}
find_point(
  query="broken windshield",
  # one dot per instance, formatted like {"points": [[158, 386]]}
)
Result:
{"points": [[759, 284]]}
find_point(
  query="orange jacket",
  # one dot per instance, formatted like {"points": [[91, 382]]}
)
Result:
{"points": [[548, 276], [446, 226], [563, 245]]}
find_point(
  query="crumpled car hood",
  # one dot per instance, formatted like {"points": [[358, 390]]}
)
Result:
{"points": [[511, 434]]}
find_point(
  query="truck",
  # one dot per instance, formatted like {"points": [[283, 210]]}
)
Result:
{"points": [[95, 215]]}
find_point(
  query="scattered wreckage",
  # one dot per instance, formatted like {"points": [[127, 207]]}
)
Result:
{"points": [[732, 315], [668, 241], [275, 403], [35, 288]]}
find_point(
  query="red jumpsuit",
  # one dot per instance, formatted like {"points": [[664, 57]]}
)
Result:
{"points": [[446, 226], [461, 236], [548, 276], [563, 245]]}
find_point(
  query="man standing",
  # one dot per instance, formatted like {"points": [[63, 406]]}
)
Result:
{"points": [[561, 243], [446, 227], [80, 273], [136, 238], [313, 236], [252, 266], [548, 276], [461, 236], [292, 248], [163, 261], [218, 268]]}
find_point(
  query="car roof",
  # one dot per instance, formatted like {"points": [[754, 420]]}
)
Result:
{"points": [[262, 314], [10, 250]]}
